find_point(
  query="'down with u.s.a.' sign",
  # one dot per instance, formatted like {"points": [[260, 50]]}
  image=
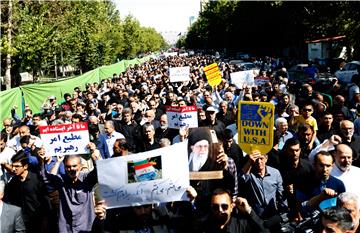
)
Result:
{"points": [[256, 126]]}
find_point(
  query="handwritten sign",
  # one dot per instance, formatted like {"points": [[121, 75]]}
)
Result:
{"points": [[182, 116], [155, 176], [256, 126], [65, 139], [242, 77], [213, 74], [179, 74]]}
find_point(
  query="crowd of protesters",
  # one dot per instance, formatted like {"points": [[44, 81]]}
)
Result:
{"points": [[315, 156]]}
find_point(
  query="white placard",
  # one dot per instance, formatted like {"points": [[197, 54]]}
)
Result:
{"points": [[242, 77], [180, 74], [65, 139], [182, 116], [154, 176]]}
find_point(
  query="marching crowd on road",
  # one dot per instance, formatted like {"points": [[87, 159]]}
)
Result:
{"points": [[307, 181]]}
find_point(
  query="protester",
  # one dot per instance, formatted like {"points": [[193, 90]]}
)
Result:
{"points": [[126, 114]]}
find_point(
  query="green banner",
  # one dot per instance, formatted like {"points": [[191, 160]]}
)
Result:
{"points": [[36, 94], [8, 99]]}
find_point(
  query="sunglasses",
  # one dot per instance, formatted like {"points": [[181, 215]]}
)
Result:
{"points": [[215, 207], [307, 110]]}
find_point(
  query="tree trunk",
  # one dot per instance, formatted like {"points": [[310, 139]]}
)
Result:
{"points": [[8, 56]]}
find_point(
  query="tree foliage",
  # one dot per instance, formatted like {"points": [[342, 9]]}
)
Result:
{"points": [[269, 27], [83, 34]]}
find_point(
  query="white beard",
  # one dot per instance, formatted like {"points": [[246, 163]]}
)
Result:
{"points": [[196, 161]]}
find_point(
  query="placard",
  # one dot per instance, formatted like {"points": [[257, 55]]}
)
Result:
{"points": [[65, 139], [256, 126], [242, 77], [182, 116], [154, 176], [213, 74], [261, 81], [179, 74]]}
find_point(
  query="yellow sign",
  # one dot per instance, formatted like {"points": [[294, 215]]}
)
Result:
{"points": [[256, 126], [213, 74]]}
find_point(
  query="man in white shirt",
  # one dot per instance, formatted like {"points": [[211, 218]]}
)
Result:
{"points": [[343, 169], [24, 130], [5, 157]]}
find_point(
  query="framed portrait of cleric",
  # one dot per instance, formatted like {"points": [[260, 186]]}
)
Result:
{"points": [[203, 148]]}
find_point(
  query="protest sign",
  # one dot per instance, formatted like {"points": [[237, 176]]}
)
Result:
{"points": [[242, 77], [261, 81], [182, 116], [65, 139], [154, 176], [256, 126], [179, 74], [213, 74]]}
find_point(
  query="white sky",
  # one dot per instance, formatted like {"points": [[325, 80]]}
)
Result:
{"points": [[163, 15]]}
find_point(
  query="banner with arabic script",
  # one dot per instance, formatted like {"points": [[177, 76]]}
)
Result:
{"points": [[65, 139], [182, 116], [154, 176]]}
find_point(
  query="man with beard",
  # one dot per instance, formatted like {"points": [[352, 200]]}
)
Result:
{"points": [[311, 192], [164, 131], [351, 202], [204, 156], [347, 137], [231, 217], [343, 169]]}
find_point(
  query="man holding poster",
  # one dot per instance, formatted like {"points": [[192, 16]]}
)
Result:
{"points": [[262, 185]]}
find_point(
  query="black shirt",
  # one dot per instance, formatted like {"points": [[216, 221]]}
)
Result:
{"points": [[30, 196]]}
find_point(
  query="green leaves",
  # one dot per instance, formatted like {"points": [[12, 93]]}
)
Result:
{"points": [[83, 34]]}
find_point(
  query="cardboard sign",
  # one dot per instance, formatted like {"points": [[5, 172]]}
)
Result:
{"points": [[179, 74], [154, 176], [256, 126], [242, 77], [213, 74], [182, 116], [65, 139]]}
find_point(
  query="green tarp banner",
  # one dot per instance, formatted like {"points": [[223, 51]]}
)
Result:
{"points": [[35, 94], [8, 99]]}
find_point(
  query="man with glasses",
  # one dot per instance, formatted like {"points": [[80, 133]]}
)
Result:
{"points": [[230, 216], [27, 190], [8, 128], [306, 117]]}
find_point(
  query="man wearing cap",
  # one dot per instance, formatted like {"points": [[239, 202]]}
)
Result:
{"points": [[212, 122]]}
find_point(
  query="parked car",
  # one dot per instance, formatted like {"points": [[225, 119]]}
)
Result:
{"points": [[298, 75], [345, 74]]}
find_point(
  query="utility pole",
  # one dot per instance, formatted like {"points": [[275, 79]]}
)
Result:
{"points": [[8, 55]]}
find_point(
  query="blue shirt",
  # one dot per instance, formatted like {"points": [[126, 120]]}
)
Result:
{"points": [[264, 194]]}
